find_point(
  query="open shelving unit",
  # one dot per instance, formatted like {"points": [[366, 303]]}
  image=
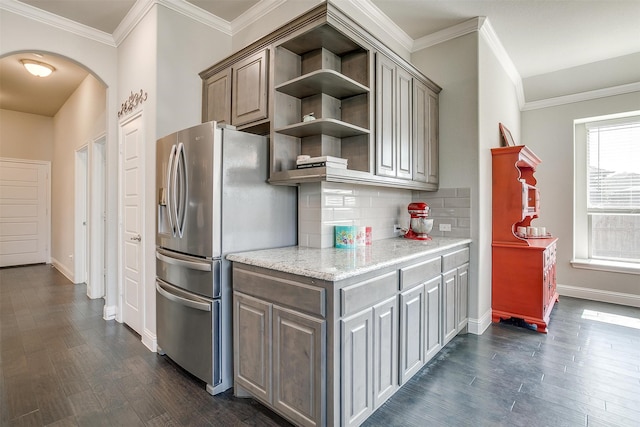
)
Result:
{"points": [[327, 73]]}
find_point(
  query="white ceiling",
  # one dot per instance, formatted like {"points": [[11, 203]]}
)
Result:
{"points": [[539, 36]]}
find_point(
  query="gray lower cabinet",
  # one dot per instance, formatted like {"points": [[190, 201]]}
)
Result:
{"points": [[433, 317], [412, 332], [298, 366], [369, 360], [357, 367], [279, 358], [332, 352], [455, 293], [252, 344]]}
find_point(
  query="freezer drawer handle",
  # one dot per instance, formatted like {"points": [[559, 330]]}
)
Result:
{"points": [[187, 302], [194, 265]]}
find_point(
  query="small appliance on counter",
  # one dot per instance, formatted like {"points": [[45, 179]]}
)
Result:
{"points": [[419, 225]]}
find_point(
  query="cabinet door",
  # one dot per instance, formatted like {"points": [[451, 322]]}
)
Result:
{"points": [[252, 345], [433, 306], [385, 120], [217, 102], [357, 367], [412, 334], [385, 350], [462, 297], [299, 370], [449, 305], [403, 121], [249, 95], [425, 134]]}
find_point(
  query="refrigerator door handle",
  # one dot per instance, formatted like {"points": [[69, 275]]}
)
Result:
{"points": [[170, 205], [182, 262], [181, 175], [202, 306]]}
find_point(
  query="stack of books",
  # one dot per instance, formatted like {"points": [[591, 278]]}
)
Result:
{"points": [[322, 162]]}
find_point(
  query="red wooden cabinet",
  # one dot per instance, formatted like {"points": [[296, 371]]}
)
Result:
{"points": [[523, 269]]}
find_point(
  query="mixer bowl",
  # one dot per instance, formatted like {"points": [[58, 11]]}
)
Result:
{"points": [[421, 225]]}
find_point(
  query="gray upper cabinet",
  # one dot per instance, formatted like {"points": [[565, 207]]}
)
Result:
{"points": [[371, 107], [425, 134], [236, 92], [217, 97], [249, 94], [394, 110]]}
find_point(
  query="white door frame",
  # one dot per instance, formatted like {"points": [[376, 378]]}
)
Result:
{"points": [[121, 125], [97, 217], [81, 217]]}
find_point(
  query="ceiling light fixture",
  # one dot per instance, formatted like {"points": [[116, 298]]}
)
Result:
{"points": [[38, 69]]}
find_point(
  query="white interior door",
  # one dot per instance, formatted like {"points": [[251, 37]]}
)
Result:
{"points": [[132, 292], [81, 248], [24, 212]]}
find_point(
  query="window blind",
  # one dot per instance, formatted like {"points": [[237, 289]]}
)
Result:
{"points": [[613, 159]]}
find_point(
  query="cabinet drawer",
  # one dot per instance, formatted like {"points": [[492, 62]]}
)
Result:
{"points": [[366, 294], [284, 292], [455, 259], [419, 273]]}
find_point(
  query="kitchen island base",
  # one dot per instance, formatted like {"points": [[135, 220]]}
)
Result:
{"points": [[328, 349]]}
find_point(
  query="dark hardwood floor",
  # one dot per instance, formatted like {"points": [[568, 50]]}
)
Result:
{"points": [[62, 364]]}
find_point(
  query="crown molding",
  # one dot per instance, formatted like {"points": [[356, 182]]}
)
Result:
{"points": [[582, 96], [56, 21], [191, 11], [487, 31], [255, 13], [450, 33], [482, 25], [372, 12]]}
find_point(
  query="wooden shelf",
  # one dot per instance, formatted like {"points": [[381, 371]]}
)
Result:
{"points": [[329, 82], [331, 127]]}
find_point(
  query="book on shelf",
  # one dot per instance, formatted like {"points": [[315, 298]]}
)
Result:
{"points": [[322, 165], [323, 159]]}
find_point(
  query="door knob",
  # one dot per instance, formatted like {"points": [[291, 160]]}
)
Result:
{"points": [[137, 237]]}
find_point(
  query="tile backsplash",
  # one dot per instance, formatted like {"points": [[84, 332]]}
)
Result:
{"points": [[323, 205]]}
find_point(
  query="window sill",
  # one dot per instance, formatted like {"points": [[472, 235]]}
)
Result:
{"points": [[603, 265]]}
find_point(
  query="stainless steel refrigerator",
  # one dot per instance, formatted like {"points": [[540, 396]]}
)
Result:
{"points": [[212, 199]]}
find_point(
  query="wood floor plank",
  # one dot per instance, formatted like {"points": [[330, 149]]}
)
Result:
{"points": [[61, 364]]}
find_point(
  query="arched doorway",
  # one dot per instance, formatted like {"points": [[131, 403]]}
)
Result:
{"points": [[61, 119]]}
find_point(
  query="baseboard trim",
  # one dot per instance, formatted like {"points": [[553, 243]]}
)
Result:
{"points": [[478, 326], [599, 295], [62, 269], [109, 312], [150, 340]]}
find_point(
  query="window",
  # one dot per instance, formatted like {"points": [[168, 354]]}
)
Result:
{"points": [[610, 199]]}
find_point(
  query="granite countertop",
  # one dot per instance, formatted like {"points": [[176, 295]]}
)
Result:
{"points": [[334, 264]]}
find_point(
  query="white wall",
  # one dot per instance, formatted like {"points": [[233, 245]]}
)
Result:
{"points": [[26, 136], [80, 120], [549, 133], [497, 103], [22, 34], [455, 66], [163, 56]]}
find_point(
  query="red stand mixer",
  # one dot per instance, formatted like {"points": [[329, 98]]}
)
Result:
{"points": [[419, 225]]}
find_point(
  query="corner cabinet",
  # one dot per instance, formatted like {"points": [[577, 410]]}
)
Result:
{"points": [[371, 107], [523, 269], [329, 353]]}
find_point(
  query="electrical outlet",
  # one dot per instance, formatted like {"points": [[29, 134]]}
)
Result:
{"points": [[445, 227]]}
